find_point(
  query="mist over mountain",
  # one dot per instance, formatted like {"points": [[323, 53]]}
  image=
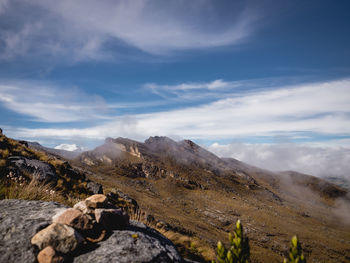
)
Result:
{"points": [[319, 161]]}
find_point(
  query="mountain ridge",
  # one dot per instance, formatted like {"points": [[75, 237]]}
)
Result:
{"points": [[185, 152], [194, 197]]}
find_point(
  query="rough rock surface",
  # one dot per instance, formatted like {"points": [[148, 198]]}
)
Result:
{"points": [[74, 218], [41, 171], [94, 187], [138, 243], [62, 238], [81, 206], [20, 220], [96, 201]]}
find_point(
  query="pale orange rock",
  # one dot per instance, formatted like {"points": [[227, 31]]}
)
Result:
{"points": [[61, 237], [96, 201], [48, 255], [74, 218], [81, 206]]}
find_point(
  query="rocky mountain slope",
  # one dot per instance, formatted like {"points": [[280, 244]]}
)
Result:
{"points": [[198, 196], [194, 197]]}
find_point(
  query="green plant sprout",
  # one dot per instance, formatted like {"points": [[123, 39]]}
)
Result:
{"points": [[239, 251], [295, 252]]}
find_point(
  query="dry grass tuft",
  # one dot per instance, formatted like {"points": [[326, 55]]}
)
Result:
{"points": [[34, 191]]}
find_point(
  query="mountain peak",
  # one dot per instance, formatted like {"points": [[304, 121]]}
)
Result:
{"points": [[109, 140], [158, 139]]}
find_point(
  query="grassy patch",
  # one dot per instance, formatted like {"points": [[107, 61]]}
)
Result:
{"points": [[34, 191]]}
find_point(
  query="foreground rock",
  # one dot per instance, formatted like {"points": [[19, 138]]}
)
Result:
{"points": [[81, 206], [62, 238], [49, 255], [112, 219], [19, 221], [74, 218], [96, 201], [138, 243]]}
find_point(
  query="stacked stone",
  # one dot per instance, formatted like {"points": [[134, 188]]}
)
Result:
{"points": [[73, 228]]}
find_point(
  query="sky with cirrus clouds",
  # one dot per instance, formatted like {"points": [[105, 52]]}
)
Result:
{"points": [[246, 79]]}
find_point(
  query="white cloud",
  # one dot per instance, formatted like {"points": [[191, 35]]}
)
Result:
{"points": [[194, 91], [318, 161], [318, 108], [68, 147], [82, 29], [47, 103], [302, 111]]}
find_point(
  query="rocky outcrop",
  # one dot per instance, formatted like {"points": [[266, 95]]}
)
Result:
{"points": [[40, 171], [19, 221], [75, 229], [137, 243], [62, 238], [97, 201], [26, 227], [74, 218]]}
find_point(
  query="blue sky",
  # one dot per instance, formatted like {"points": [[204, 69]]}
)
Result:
{"points": [[217, 72]]}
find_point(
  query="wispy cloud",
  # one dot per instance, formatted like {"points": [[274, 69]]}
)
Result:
{"points": [[193, 90], [86, 30], [214, 85], [45, 103], [318, 108], [318, 161]]}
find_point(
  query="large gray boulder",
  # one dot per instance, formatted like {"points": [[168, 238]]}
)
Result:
{"points": [[40, 171], [20, 220], [137, 243]]}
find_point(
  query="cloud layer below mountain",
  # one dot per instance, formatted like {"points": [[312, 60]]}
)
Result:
{"points": [[307, 113], [314, 160]]}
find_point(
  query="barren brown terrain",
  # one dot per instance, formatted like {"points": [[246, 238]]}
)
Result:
{"points": [[194, 198]]}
